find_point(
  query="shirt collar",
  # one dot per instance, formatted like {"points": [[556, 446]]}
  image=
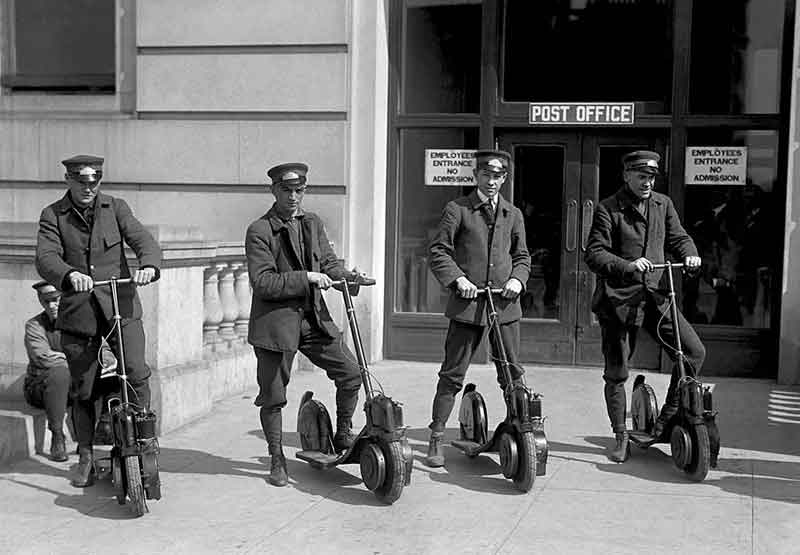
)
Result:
{"points": [[484, 198]]}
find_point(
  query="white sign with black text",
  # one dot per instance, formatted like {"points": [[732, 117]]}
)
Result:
{"points": [[716, 165], [449, 167]]}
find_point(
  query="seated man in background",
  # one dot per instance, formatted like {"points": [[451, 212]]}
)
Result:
{"points": [[47, 378]]}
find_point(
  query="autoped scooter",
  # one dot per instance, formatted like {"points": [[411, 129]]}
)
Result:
{"points": [[692, 432], [519, 439], [381, 448], [134, 451]]}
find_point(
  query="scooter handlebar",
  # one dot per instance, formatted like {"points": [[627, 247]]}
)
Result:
{"points": [[360, 280], [119, 281], [488, 290]]}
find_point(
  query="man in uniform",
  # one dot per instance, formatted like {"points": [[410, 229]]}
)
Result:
{"points": [[290, 261], [47, 377], [81, 239], [480, 243], [630, 232]]}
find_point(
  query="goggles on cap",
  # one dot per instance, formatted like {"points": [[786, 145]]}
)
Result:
{"points": [[86, 174]]}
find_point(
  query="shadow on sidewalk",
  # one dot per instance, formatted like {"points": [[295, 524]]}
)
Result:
{"points": [[97, 501], [333, 483], [758, 478], [481, 473]]}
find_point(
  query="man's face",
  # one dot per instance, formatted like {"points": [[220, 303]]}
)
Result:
{"points": [[640, 183], [288, 197], [50, 305], [83, 192], [490, 179]]}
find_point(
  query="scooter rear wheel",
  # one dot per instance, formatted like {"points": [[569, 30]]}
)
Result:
{"points": [[697, 468], [133, 481], [392, 487], [526, 470]]}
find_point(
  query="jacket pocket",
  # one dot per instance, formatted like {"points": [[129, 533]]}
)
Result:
{"points": [[112, 238]]}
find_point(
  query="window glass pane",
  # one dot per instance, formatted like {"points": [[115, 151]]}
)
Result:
{"points": [[442, 56], [736, 56], [67, 45], [539, 179], [579, 50], [734, 227], [419, 214]]}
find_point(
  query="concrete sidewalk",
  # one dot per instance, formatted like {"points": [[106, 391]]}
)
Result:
{"points": [[217, 500]]}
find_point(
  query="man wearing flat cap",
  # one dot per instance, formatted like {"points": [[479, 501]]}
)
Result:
{"points": [[47, 377], [290, 261], [81, 240], [480, 243], [632, 230]]}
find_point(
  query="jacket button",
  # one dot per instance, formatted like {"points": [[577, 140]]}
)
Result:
{"points": [[491, 265], [91, 267]]}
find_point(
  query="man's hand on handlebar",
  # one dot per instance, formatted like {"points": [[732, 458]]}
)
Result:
{"points": [[143, 276], [320, 280], [466, 289], [512, 288], [692, 262], [80, 282], [641, 265]]}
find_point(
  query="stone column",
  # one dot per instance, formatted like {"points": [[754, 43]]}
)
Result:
{"points": [[230, 306], [212, 307], [244, 296]]}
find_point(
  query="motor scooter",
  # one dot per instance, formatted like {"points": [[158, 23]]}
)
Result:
{"points": [[381, 448], [134, 451], [692, 432], [519, 439]]}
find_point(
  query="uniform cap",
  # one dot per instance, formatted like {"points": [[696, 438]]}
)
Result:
{"points": [[496, 161], [46, 291], [292, 173], [85, 167], [643, 161]]}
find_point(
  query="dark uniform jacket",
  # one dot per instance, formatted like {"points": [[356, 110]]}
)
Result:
{"points": [[43, 344], [465, 245], [67, 242], [281, 290], [619, 235]]}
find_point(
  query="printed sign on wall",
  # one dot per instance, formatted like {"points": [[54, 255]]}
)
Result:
{"points": [[580, 113], [449, 167], [716, 165]]}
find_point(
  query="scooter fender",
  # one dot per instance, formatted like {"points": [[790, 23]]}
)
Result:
{"points": [[692, 398], [386, 415]]}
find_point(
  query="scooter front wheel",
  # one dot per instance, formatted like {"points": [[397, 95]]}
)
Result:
{"points": [[526, 469], [392, 487], [133, 481], [697, 467]]}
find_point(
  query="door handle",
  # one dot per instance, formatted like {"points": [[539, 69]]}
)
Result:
{"points": [[572, 225], [588, 212]]}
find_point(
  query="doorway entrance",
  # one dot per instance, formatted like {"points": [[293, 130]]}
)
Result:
{"points": [[558, 179]]}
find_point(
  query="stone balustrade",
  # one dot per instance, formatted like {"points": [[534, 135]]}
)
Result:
{"points": [[195, 319]]}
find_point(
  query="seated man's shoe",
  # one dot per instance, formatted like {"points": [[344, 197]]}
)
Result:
{"points": [[102, 433], [85, 472], [622, 448], [58, 447], [343, 440], [278, 476], [435, 458]]}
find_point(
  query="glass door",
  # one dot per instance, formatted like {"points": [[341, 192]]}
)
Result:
{"points": [[557, 180]]}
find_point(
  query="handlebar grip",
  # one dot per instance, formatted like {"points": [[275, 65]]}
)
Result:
{"points": [[363, 281], [665, 266], [119, 281], [487, 290]]}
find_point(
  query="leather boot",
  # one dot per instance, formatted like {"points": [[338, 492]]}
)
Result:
{"points": [[435, 458], [278, 476], [85, 472], [271, 423], [344, 438], [622, 449], [58, 447]]}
